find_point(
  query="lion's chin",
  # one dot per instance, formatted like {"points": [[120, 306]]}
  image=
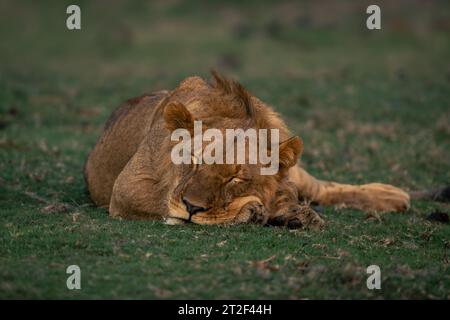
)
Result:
{"points": [[179, 215], [231, 215], [174, 221], [177, 210], [211, 219]]}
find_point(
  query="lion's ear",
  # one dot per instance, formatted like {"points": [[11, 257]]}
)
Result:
{"points": [[177, 116], [290, 151]]}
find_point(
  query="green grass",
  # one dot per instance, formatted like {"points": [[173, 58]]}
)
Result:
{"points": [[370, 106]]}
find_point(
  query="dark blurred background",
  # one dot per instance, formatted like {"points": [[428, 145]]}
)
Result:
{"points": [[154, 38]]}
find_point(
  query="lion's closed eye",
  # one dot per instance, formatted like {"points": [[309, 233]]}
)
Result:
{"points": [[235, 180]]}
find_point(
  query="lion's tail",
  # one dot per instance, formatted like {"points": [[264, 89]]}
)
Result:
{"points": [[435, 194]]}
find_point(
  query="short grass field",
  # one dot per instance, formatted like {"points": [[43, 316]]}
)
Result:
{"points": [[369, 105]]}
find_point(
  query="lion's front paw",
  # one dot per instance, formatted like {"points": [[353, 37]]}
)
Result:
{"points": [[385, 198], [253, 212], [297, 216]]}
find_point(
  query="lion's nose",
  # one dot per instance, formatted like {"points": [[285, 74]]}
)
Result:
{"points": [[192, 208]]}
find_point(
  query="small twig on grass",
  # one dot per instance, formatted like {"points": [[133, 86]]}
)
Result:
{"points": [[34, 196]]}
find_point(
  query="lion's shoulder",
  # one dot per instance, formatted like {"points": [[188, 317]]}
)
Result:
{"points": [[143, 101]]}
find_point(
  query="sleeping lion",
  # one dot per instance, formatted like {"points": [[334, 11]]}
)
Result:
{"points": [[131, 173]]}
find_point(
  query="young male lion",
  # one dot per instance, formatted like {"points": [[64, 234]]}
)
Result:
{"points": [[130, 171]]}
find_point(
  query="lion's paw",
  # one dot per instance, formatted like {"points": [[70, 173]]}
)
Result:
{"points": [[385, 198], [254, 212], [297, 216]]}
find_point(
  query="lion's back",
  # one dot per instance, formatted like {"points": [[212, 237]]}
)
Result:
{"points": [[121, 136]]}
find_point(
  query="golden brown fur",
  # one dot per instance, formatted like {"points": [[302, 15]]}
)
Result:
{"points": [[130, 171]]}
